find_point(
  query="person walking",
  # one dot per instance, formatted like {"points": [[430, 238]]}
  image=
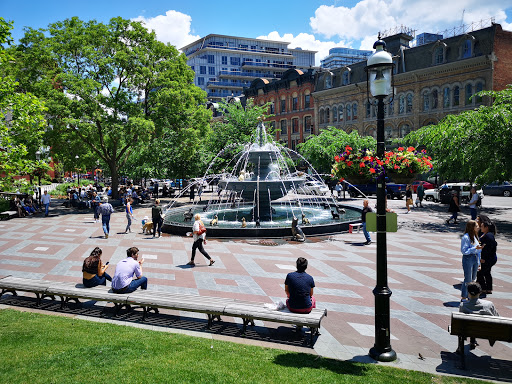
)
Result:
{"points": [[408, 197], [96, 200], [129, 214], [420, 194], [94, 271], [123, 281], [45, 200], [156, 216], [488, 255], [106, 210], [472, 203], [454, 208], [155, 190], [470, 249], [366, 209], [199, 234], [192, 192], [338, 188]]}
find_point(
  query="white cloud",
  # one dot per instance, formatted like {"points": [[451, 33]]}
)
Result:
{"points": [[368, 17], [306, 41], [173, 27]]}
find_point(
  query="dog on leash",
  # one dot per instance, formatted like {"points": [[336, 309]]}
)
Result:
{"points": [[147, 228]]}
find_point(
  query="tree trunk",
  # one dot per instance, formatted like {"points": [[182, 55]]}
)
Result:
{"points": [[115, 179]]}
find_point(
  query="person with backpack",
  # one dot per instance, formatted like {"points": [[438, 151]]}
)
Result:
{"points": [[157, 218], [199, 234], [473, 203]]}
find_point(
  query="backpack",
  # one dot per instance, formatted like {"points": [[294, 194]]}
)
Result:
{"points": [[479, 201]]}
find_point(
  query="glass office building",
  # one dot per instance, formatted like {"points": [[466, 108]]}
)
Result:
{"points": [[341, 57]]}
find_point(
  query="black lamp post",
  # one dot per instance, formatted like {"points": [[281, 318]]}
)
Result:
{"points": [[38, 157], [77, 157], [379, 74]]}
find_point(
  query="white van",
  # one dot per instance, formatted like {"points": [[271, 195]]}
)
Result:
{"points": [[464, 188]]}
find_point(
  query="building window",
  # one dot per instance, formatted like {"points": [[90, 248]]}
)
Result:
{"points": [[211, 71], [295, 103], [334, 114], [211, 59], [283, 106], [446, 97], [234, 60], [391, 108], [479, 88], [404, 130], [307, 101], [439, 55], [328, 81], [368, 109], [388, 133], [346, 78], [224, 60], [409, 103], [327, 115], [348, 112], [467, 48], [200, 81], [340, 113], [307, 124], [435, 99], [401, 109], [202, 70], [283, 127], [354, 111], [322, 116], [469, 93], [456, 94], [426, 102], [271, 108], [295, 126]]}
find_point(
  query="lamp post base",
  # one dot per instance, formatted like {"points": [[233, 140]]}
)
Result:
{"points": [[384, 356]]}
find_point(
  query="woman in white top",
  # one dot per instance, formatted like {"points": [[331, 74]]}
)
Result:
{"points": [[199, 238]]}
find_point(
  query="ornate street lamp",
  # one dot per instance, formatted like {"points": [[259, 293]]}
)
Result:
{"points": [[38, 157], [77, 157], [379, 79]]}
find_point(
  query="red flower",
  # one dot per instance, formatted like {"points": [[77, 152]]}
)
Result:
{"points": [[342, 158], [367, 158], [400, 148], [337, 158], [361, 165], [347, 148], [396, 166], [410, 149], [372, 170], [379, 162], [349, 163], [341, 179]]}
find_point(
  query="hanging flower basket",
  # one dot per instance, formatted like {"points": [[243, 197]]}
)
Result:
{"points": [[402, 178], [358, 179]]}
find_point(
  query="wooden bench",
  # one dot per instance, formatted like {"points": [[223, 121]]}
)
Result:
{"points": [[492, 328], [213, 307]]}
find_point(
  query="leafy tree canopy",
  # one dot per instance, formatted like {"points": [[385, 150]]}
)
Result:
{"points": [[474, 145]]}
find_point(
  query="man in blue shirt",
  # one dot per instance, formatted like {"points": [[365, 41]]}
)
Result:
{"points": [[106, 210], [299, 289]]}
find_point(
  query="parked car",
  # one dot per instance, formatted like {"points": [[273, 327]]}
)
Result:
{"points": [[443, 193], [315, 187], [394, 191], [426, 185], [497, 189]]}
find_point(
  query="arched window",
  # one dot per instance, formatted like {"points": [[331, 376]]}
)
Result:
{"points": [[435, 99], [404, 130], [409, 103], [401, 109], [372, 132], [334, 114], [328, 81], [368, 109], [307, 124], [391, 108], [354, 111], [456, 95], [327, 115], [468, 94], [346, 78], [349, 112], [439, 55], [426, 102], [322, 114], [446, 97], [388, 132], [340, 111], [479, 88]]}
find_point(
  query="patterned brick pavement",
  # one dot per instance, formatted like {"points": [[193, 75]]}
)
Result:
{"points": [[424, 265]]}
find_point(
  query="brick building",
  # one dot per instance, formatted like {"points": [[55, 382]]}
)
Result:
{"points": [[291, 103], [431, 81]]}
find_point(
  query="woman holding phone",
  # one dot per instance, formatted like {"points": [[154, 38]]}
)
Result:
{"points": [[93, 270]]}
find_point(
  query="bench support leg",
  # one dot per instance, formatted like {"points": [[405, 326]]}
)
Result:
{"points": [[212, 317], [118, 307], [246, 323], [312, 333], [461, 352], [8, 290], [146, 310]]}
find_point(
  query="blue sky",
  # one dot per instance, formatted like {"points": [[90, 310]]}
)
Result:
{"points": [[314, 24]]}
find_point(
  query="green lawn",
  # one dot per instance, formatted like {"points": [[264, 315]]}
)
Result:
{"points": [[36, 348]]}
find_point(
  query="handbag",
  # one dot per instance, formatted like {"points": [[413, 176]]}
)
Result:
{"points": [[202, 229]]}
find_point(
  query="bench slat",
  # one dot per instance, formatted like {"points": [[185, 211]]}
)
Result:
{"points": [[481, 326]]}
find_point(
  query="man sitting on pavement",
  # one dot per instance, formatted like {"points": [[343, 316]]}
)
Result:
{"points": [[476, 306]]}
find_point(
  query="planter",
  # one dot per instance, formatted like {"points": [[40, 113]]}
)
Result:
{"points": [[402, 178], [358, 179]]}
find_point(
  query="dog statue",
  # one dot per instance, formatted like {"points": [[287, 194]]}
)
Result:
{"points": [[215, 221], [297, 233], [244, 223], [326, 206], [340, 210], [188, 215], [335, 215], [258, 223], [305, 220]]}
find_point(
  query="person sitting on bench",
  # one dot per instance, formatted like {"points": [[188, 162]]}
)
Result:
{"points": [[299, 289], [476, 306], [123, 281]]}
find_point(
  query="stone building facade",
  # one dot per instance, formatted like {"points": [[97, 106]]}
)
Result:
{"points": [[431, 81]]}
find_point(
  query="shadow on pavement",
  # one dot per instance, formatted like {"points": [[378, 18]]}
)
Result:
{"points": [[477, 367]]}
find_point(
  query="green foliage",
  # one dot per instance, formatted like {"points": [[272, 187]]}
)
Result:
{"points": [[112, 90], [43, 349], [320, 149], [475, 145]]}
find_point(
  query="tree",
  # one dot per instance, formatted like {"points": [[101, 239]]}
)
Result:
{"points": [[112, 89], [474, 145], [320, 149], [22, 120]]}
